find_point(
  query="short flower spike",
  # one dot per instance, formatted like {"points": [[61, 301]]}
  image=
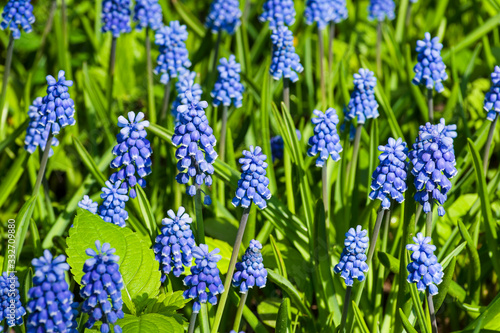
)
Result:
{"points": [[228, 88], [325, 140], [278, 13], [224, 15], [352, 263], [285, 62], [363, 104], [430, 68], [147, 13], [250, 271], [17, 15], [10, 300], [381, 9], [112, 209], [185, 83], [492, 98], [323, 12], [116, 17], [33, 138]]}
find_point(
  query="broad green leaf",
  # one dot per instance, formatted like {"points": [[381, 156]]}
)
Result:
{"points": [[151, 323], [445, 285], [167, 304], [283, 321]]}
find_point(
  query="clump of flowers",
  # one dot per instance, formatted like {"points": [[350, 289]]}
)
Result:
{"points": [[492, 98], [325, 140], [278, 145], [389, 178], [33, 138], [323, 12], [185, 83], [424, 269], [285, 62], [147, 13], [352, 263], [278, 13], [224, 15], [17, 15], [250, 271], [362, 103], [228, 88], [101, 288], [381, 9], [430, 68], [87, 204], [116, 17], [112, 209], [11, 308]]}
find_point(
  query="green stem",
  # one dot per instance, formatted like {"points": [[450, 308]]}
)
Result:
{"points": [[151, 94], [239, 312], [487, 148], [331, 37], [428, 222], [324, 180], [230, 270], [111, 74], [345, 308], [200, 227], [430, 104], [376, 230], [321, 52], [166, 102], [43, 164], [379, 49], [192, 322], [432, 313], [6, 72], [222, 150]]}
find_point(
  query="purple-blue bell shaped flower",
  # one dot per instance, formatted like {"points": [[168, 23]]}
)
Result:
{"points": [[250, 272], [325, 140], [492, 98], [352, 263], [87, 204], [381, 9], [323, 12], [278, 13], [112, 209], [17, 15], [389, 178], [228, 88], [363, 104], [224, 15], [147, 13], [430, 69], [285, 62], [424, 269], [278, 145], [116, 17], [33, 138], [185, 83], [11, 308]]}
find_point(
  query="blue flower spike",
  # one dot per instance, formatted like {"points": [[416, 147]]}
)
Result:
{"points": [[33, 138], [112, 209], [424, 269], [101, 288], [173, 247], [323, 12], [87, 204], [228, 88], [326, 140], [253, 184], [278, 145], [492, 98], [224, 15], [430, 69], [148, 14], [185, 83], [10, 300], [389, 178], [116, 17], [352, 263], [363, 104], [278, 13], [250, 272], [381, 9], [285, 62], [17, 15], [204, 283]]}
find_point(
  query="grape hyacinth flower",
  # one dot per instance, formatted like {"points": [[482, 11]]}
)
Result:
{"points": [[116, 17], [17, 15], [228, 88], [112, 209], [389, 178], [250, 271], [352, 263], [147, 13], [50, 304], [362, 103], [253, 184], [278, 13], [325, 140], [173, 60], [433, 159], [323, 12], [133, 153], [87, 204], [185, 82], [424, 269], [430, 68], [204, 283], [34, 139], [492, 97], [173, 247], [285, 62], [278, 145], [101, 288], [381, 9], [11, 308], [224, 15]]}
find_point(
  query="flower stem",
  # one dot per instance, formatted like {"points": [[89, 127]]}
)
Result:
{"points": [[239, 312], [432, 313], [345, 308], [222, 150], [6, 72], [376, 230], [379, 48], [324, 180], [166, 102], [151, 94], [111, 74], [192, 322], [230, 270], [43, 164], [428, 222], [321, 51], [286, 93], [488, 145], [200, 228], [430, 103], [331, 37], [216, 54]]}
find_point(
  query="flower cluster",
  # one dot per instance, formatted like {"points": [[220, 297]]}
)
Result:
{"points": [[278, 145], [224, 15], [102, 280], [147, 13], [253, 183], [381, 9], [133, 153], [492, 98], [11, 308], [325, 11], [113, 206], [228, 88], [325, 140], [353, 259], [430, 68], [285, 62], [50, 304], [87, 204], [33, 138], [362, 103], [17, 14], [173, 60], [433, 159], [173, 247], [185, 82], [204, 276], [195, 141], [389, 178], [116, 17], [424, 269], [339, 10], [250, 271], [278, 13]]}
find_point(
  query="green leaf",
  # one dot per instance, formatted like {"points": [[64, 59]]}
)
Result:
{"points": [[283, 320], [388, 261], [151, 323], [445, 285], [489, 318], [147, 213], [89, 161], [476, 262], [167, 304], [249, 316], [279, 258], [452, 255], [287, 287], [190, 19], [417, 305], [13, 136], [359, 318], [11, 178], [406, 323]]}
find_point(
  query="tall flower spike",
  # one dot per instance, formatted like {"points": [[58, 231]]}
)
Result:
{"points": [[173, 247], [250, 271], [278, 13], [185, 83], [389, 178], [492, 98], [101, 288], [34, 139], [204, 283], [112, 209], [430, 69], [285, 62], [173, 60], [352, 263], [433, 159], [17, 15], [10, 300], [50, 304], [381, 9], [87, 204], [224, 15], [228, 88], [424, 269], [323, 12], [253, 183], [147, 13], [325, 140], [57, 109], [116, 17], [133, 153], [363, 104], [278, 145], [195, 141]]}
